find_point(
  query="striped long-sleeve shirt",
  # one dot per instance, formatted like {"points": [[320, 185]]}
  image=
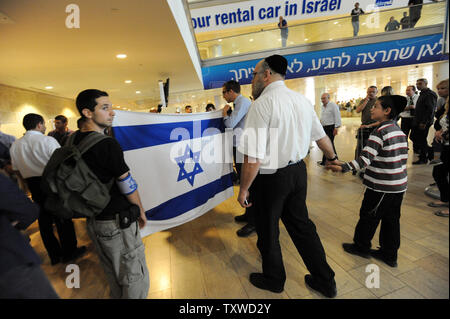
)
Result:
{"points": [[384, 158]]}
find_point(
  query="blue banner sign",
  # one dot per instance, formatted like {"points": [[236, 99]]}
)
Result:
{"points": [[348, 59]]}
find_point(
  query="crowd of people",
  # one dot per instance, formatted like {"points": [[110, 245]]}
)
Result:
{"points": [[269, 190]]}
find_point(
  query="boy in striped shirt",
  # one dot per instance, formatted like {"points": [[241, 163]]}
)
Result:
{"points": [[384, 158]]}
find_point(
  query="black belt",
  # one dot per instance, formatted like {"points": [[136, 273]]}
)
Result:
{"points": [[293, 163]]}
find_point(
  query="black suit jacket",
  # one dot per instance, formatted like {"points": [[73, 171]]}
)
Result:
{"points": [[15, 206], [425, 107]]}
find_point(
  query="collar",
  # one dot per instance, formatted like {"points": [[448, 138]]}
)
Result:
{"points": [[273, 86], [32, 132]]}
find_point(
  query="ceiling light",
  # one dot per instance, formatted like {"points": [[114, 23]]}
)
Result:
{"points": [[121, 56], [128, 81], [251, 40], [306, 39], [49, 87], [336, 22], [138, 92], [220, 40]]}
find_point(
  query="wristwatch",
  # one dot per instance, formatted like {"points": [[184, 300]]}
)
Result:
{"points": [[332, 159]]}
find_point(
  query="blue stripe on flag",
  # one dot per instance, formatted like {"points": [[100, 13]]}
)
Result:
{"points": [[140, 136], [190, 200]]}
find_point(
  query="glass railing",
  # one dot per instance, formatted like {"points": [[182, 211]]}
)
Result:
{"points": [[307, 33]]}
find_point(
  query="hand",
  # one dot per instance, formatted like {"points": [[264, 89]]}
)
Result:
{"points": [[364, 126], [225, 110], [335, 162], [142, 219], [242, 198], [335, 132], [333, 167]]}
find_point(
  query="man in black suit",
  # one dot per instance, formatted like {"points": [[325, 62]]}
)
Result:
{"points": [[425, 108]]}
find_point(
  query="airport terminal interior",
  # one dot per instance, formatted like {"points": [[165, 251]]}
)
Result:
{"points": [[127, 47]]}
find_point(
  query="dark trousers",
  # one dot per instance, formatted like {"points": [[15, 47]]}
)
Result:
{"points": [[419, 138], [66, 231], [407, 126], [283, 195], [329, 130], [414, 15], [362, 136], [248, 211], [26, 282], [441, 174], [388, 212]]}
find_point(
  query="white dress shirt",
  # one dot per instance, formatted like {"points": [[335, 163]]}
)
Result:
{"points": [[330, 115], [30, 153], [407, 113], [279, 127]]}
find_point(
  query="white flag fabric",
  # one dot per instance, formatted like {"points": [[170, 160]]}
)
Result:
{"points": [[182, 164]]}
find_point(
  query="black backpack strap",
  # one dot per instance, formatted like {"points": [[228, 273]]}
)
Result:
{"points": [[89, 141]]}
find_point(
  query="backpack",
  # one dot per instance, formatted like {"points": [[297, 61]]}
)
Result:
{"points": [[72, 189]]}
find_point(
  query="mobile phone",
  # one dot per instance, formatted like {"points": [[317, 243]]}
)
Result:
{"points": [[245, 202]]}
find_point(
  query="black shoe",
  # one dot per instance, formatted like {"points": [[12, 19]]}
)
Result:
{"points": [[80, 251], [246, 231], [328, 291], [419, 162], [258, 280], [378, 254], [354, 250], [241, 218]]}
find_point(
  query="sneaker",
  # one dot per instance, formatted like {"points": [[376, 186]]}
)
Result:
{"points": [[354, 250], [435, 162], [378, 254], [328, 291], [258, 280]]}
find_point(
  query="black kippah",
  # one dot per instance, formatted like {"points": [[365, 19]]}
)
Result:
{"points": [[277, 63], [396, 102]]}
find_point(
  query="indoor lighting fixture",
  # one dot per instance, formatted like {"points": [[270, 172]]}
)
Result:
{"points": [[121, 56], [128, 81], [220, 40], [251, 40], [49, 87], [138, 92]]}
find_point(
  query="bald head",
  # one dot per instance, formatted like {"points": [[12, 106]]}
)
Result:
{"points": [[325, 98]]}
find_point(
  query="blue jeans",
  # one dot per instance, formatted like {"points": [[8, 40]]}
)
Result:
{"points": [[355, 25]]}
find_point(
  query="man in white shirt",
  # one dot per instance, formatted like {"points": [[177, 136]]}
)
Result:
{"points": [[408, 114], [330, 120], [235, 120], [279, 126], [29, 156]]}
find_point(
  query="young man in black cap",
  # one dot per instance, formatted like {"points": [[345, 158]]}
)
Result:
{"points": [[280, 126], [384, 158]]}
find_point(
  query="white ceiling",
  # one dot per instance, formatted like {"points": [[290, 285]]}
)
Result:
{"points": [[38, 50]]}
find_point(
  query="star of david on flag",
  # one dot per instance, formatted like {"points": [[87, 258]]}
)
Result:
{"points": [[181, 161]]}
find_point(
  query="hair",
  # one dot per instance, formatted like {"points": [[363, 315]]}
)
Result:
{"points": [[413, 87], [423, 80], [61, 118], [327, 94], [232, 85], [442, 82], [387, 90], [386, 102], [373, 87], [210, 106], [80, 122], [187, 106], [87, 100], [31, 120]]}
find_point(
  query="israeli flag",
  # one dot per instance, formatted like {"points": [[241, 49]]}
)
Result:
{"points": [[182, 163]]}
